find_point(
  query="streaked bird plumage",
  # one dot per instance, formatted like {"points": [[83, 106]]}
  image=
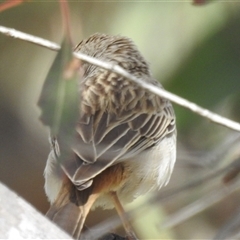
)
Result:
{"points": [[125, 137]]}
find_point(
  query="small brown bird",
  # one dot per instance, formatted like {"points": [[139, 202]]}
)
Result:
{"points": [[125, 139]]}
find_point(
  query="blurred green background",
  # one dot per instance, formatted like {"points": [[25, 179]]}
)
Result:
{"points": [[193, 51]]}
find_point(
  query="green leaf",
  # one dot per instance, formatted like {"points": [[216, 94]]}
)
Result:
{"points": [[59, 100]]}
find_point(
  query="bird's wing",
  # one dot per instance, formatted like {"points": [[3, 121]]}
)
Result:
{"points": [[107, 135]]}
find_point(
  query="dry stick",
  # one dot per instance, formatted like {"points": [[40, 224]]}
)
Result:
{"points": [[200, 205], [10, 32], [170, 193], [66, 19], [117, 69], [20, 220], [9, 4], [230, 229]]}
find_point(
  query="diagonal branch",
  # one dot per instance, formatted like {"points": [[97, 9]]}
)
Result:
{"points": [[20, 220], [117, 69], [200, 205], [9, 4]]}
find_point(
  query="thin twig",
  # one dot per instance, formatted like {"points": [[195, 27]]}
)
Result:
{"points": [[200, 205], [10, 4], [66, 19], [117, 69], [226, 149], [173, 192], [10, 32], [230, 229]]}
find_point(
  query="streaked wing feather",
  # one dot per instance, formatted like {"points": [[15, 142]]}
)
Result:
{"points": [[85, 150], [121, 141], [85, 132], [87, 171], [112, 139], [130, 122], [139, 122]]}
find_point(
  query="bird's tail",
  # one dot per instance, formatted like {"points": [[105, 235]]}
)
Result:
{"points": [[71, 207]]}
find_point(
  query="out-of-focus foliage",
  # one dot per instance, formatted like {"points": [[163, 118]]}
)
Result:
{"points": [[193, 51], [59, 101]]}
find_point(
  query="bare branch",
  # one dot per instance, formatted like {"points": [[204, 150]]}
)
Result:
{"points": [[66, 20], [117, 69], [200, 205], [10, 4], [193, 183], [19, 220], [10, 32], [230, 230]]}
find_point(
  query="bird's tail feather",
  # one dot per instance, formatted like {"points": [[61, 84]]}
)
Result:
{"points": [[70, 209]]}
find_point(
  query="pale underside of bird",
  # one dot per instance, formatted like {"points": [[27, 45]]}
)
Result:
{"points": [[125, 139]]}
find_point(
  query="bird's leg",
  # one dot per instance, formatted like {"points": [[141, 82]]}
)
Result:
{"points": [[123, 216]]}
